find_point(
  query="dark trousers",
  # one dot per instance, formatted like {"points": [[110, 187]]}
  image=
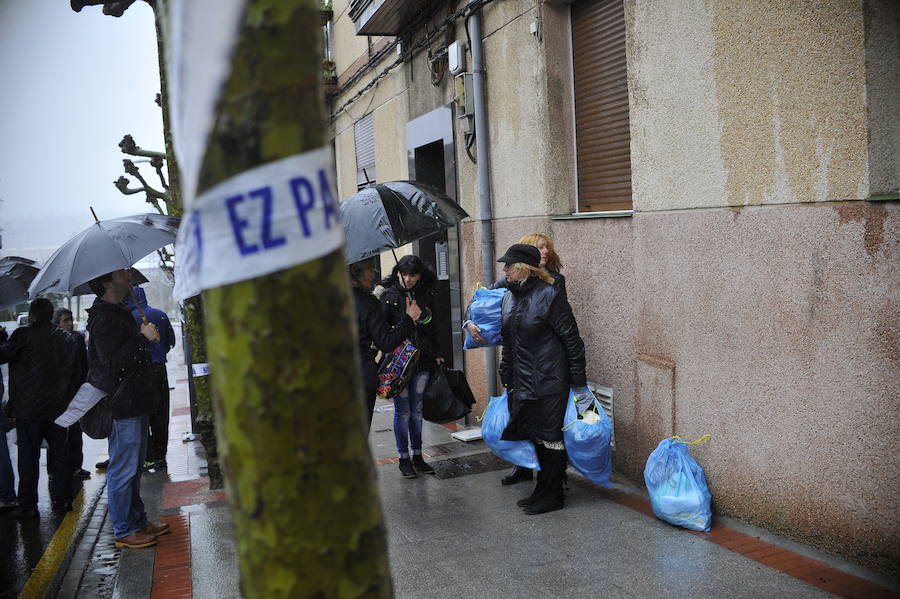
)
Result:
{"points": [[158, 441], [74, 446], [29, 434]]}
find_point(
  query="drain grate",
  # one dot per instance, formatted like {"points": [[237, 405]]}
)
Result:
{"points": [[468, 464]]}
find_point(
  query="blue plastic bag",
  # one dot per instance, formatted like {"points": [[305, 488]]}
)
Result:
{"points": [[496, 417], [677, 486], [484, 311], [587, 442]]}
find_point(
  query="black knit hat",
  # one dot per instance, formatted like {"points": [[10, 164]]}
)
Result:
{"points": [[522, 252]]}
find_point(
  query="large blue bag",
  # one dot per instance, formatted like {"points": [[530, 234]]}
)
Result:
{"points": [[484, 311], [587, 442], [496, 417], [677, 486]]}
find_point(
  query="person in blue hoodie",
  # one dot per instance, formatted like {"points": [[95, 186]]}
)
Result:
{"points": [[159, 421]]}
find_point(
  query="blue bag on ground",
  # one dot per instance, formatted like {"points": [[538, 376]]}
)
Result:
{"points": [[484, 311], [677, 486], [496, 417], [587, 442]]}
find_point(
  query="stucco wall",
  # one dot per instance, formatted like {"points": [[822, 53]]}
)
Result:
{"points": [[781, 327], [743, 103]]}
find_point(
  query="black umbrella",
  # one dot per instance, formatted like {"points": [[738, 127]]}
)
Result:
{"points": [[16, 274], [389, 215]]}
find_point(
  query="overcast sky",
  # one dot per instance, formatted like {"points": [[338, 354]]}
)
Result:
{"points": [[73, 85]]}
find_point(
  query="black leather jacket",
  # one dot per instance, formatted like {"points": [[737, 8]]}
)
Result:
{"points": [[119, 360], [42, 363], [374, 329], [543, 353]]}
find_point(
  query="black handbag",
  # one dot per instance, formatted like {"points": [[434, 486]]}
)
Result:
{"points": [[460, 386], [97, 422], [439, 402]]}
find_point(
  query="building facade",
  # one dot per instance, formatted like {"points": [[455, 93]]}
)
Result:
{"points": [[721, 181]]}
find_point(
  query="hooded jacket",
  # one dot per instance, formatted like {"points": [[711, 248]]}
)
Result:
{"points": [[543, 353], [119, 360], [393, 302], [42, 364], [375, 330], [158, 349]]}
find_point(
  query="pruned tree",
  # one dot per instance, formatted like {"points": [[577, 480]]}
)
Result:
{"points": [[193, 307]]}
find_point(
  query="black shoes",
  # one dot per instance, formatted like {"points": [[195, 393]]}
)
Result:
{"points": [[102, 466], [548, 493], [406, 468], [421, 466], [154, 465], [82, 474], [517, 475]]}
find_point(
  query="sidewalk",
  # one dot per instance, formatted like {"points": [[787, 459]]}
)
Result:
{"points": [[459, 534]]}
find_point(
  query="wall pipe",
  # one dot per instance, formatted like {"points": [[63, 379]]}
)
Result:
{"points": [[482, 151]]}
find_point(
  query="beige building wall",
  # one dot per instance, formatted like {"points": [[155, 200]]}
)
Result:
{"points": [[753, 295]]}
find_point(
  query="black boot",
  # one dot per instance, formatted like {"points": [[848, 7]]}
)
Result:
{"points": [[517, 475], [553, 465], [406, 468], [536, 493], [421, 465]]}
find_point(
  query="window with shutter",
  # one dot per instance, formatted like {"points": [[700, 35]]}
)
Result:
{"points": [[602, 135], [364, 138]]}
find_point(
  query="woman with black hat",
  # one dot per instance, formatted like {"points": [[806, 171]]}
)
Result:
{"points": [[543, 357]]}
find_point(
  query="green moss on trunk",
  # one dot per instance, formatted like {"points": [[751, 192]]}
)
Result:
{"points": [[282, 350]]}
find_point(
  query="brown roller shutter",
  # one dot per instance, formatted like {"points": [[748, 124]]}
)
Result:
{"points": [[602, 135]]}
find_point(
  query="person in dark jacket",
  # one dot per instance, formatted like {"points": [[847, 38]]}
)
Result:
{"points": [[74, 442], [551, 264], [39, 357], [412, 279], [158, 441], [543, 356], [375, 333], [7, 479], [119, 365]]}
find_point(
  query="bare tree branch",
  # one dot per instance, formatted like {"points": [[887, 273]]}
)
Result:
{"points": [[128, 146]]}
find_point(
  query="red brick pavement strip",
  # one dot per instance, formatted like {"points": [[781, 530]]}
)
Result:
{"points": [[189, 492], [793, 564], [186, 411], [172, 567]]}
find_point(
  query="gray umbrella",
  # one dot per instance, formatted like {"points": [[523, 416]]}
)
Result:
{"points": [[388, 215], [103, 247], [16, 275]]}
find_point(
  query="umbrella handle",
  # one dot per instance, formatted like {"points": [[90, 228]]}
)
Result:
{"points": [[136, 305]]}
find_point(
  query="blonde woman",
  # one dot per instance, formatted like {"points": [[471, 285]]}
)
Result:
{"points": [[543, 356], [550, 264]]}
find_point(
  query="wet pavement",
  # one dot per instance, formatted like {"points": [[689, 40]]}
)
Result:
{"points": [[23, 542]]}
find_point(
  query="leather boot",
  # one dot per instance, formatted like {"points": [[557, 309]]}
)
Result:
{"points": [[553, 465], [517, 475], [536, 493]]}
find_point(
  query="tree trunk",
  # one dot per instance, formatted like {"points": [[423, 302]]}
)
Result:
{"points": [[193, 307], [282, 349]]}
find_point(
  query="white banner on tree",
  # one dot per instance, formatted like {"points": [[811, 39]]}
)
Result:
{"points": [[261, 221], [200, 37]]}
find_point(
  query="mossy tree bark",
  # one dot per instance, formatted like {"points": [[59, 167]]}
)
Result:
{"points": [[282, 355]]}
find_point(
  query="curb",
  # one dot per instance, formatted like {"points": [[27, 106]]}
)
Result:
{"points": [[47, 577]]}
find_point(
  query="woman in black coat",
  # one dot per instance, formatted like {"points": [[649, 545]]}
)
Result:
{"points": [[374, 329], [551, 264], [543, 356], [412, 279]]}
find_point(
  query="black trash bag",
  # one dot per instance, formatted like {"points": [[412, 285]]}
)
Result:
{"points": [[439, 403], [460, 387]]}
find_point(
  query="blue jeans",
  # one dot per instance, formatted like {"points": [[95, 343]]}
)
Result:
{"points": [[408, 415], [7, 483], [127, 448]]}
